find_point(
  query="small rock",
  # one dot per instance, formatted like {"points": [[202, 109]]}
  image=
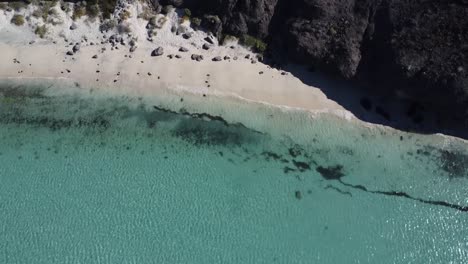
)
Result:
{"points": [[187, 35], [73, 26], [76, 48], [170, 56], [197, 57], [253, 61], [227, 58], [157, 52], [260, 72], [133, 48], [94, 57], [235, 58], [247, 56], [460, 69], [178, 56], [181, 30], [183, 49], [31, 42], [209, 40], [70, 53], [206, 46], [217, 58]]}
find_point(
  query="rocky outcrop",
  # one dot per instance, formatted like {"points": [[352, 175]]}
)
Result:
{"points": [[417, 49]]}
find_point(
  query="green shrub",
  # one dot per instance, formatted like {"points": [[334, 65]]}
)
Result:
{"points": [[146, 14], [17, 20], [78, 12], [18, 5], [167, 9], [107, 25], [107, 7], [92, 10], [195, 21], [125, 15], [187, 12], [41, 31], [65, 7], [256, 44]]}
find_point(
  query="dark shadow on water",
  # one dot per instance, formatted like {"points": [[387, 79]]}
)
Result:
{"points": [[378, 107]]}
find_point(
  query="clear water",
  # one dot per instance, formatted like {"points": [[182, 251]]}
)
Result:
{"points": [[114, 180]]}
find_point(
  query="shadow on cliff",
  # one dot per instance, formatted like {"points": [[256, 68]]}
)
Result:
{"points": [[373, 106]]}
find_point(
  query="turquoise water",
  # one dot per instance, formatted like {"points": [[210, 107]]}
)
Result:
{"points": [[118, 180]]}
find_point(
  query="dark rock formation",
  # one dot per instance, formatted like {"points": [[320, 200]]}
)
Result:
{"points": [[416, 49]]}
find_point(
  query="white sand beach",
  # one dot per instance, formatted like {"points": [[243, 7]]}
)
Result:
{"points": [[101, 64]]}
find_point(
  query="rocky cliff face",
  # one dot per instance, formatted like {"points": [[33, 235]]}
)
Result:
{"points": [[418, 47]]}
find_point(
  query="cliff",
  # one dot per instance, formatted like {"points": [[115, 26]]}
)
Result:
{"points": [[417, 49]]}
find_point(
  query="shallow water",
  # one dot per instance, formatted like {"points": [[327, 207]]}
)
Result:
{"points": [[118, 180]]}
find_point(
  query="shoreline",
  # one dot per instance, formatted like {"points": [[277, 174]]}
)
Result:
{"points": [[268, 118], [113, 68]]}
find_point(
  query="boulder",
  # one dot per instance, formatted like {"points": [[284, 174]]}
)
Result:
{"points": [[197, 57], [157, 52], [206, 46], [187, 35], [217, 58]]}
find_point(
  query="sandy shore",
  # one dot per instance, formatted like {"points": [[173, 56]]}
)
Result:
{"points": [[144, 75]]}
